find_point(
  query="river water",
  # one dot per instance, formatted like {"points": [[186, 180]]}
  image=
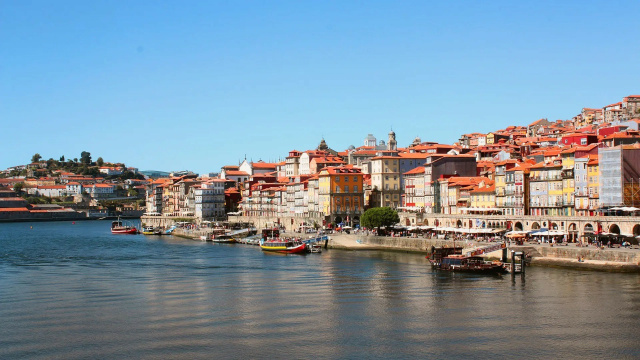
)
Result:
{"points": [[74, 291]]}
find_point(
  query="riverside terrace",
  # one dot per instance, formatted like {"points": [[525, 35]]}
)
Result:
{"points": [[575, 227]]}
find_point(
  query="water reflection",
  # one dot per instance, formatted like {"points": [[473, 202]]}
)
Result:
{"points": [[80, 292]]}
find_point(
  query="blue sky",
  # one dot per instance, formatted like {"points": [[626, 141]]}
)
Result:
{"points": [[172, 85]]}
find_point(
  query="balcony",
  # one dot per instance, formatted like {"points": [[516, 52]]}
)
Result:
{"points": [[567, 174], [546, 178]]}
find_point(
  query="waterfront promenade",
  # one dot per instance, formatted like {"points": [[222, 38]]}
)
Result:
{"points": [[574, 227], [569, 255]]}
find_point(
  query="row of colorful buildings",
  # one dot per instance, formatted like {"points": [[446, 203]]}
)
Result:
{"points": [[572, 167]]}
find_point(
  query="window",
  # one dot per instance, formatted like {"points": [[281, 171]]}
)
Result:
{"points": [[355, 188], [346, 189], [346, 179], [355, 178], [337, 178]]}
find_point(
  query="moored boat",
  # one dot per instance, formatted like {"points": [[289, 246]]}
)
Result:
{"points": [[147, 230], [224, 239], [452, 259], [471, 264], [284, 246], [314, 248], [119, 227]]}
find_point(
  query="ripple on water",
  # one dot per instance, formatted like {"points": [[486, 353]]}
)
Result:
{"points": [[80, 292]]}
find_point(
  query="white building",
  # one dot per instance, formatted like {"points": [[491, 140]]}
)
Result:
{"points": [[74, 188], [100, 191], [107, 170], [209, 199], [48, 190]]}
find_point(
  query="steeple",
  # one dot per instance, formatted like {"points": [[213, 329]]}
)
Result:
{"points": [[391, 144], [323, 145]]}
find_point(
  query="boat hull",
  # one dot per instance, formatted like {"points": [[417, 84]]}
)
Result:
{"points": [[467, 264], [224, 241], [298, 249], [126, 231], [498, 269]]}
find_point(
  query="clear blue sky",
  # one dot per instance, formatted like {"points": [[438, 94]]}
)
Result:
{"points": [[171, 85]]}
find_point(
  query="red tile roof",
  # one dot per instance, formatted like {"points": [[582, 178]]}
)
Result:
{"points": [[418, 170], [236, 173]]}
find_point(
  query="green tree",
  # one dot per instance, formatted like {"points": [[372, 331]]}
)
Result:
{"points": [[18, 188], [50, 163], [100, 162], [378, 217], [91, 171], [35, 158], [62, 158], [85, 157]]}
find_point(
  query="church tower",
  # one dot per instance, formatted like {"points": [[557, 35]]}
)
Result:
{"points": [[392, 145]]}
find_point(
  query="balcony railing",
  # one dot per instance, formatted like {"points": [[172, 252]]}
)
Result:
{"points": [[546, 178]]}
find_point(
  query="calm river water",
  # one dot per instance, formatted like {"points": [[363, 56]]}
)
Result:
{"points": [[72, 291]]}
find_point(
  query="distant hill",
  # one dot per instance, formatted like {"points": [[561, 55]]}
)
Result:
{"points": [[154, 174]]}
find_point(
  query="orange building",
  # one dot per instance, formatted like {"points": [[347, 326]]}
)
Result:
{"points": [[341, 194]]}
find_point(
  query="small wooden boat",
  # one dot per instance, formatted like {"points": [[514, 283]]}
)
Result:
{"points": [[119, 227], [224, 239], [314, 248], [471, 264], [452, 259], [284, 246], [148, 230]]}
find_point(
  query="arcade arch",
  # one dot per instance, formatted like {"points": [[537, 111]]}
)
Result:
{"points": [[615, 229]]}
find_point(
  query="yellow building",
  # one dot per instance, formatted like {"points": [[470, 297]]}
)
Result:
{"points": [[500, 178], [483, 196], [340, 194], [455, 193], [593, 182], [385, 177], [568, 181], [545, 189]]}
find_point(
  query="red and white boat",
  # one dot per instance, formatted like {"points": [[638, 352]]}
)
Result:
{"points": [[118, 227], [284, 246]]}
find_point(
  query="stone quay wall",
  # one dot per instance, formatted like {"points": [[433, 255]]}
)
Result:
{"points": [[623, 260], [290, 223]]}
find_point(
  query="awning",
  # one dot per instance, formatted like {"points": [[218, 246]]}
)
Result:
{"points": [[516, 234], [478, 209], [548, 233]]}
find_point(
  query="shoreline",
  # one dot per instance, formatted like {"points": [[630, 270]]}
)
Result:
{"points": [[542, 255], [6, 221], [545, 256]]}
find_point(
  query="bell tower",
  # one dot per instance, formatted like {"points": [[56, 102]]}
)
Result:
{"points": [[391, 144]]}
